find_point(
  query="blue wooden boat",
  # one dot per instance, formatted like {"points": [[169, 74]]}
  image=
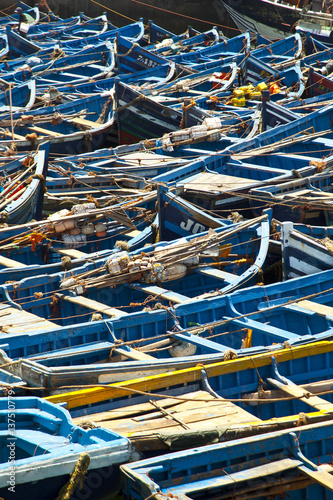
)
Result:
{"points": [[148, 78], [137, 159], [89, 62], [280, 51], [260, 319], [132, 58], [222, 183], [155, 119], [267, 466], [305, 249], [62, 31], [22, 195], [184, 45], [42, 447], [16, 44], [156, 33], [22, 97], [73, 127], [250, 240], [36, 248], [212, 402], [308, 200], [229, 48], [317, 84]]}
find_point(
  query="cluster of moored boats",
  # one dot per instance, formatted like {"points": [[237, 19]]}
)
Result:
{"points": [[166, 262]]}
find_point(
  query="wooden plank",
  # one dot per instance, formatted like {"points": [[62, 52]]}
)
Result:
{"points": [[70, 252], [319, 476], [192, 413], [138, 409], [14, 320], [293, 390], [320, 309], [158, 291], [208, 182], [44, 131], [143, 159], [85, 123], [253, 473], [133, 234], [134, 354], [217, 273], [6, 262], [297, 193], [92, 304], [9, 134]]}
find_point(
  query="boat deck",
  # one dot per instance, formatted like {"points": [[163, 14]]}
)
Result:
{"points": [[14, 320], [144, 423]]}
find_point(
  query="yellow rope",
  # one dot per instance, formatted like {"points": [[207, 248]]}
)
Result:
{"points": [[114, 11]]}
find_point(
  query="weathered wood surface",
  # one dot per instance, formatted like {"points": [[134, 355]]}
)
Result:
{"points": [[13, 320]]}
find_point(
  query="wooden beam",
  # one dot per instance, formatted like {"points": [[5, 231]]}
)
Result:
{"points": [[85, 123], [70, 252], [320, 309], [293, 390], [217, 273], [44, 131], [6, 262], [91, 304], [160, 292], [134, 354]]}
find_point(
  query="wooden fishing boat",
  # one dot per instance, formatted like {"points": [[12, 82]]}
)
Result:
{"points": [[214, 402], [296, 463], [43, 450], [19, 97], [139, 117], [305, 250], [17, 45], [157, 34], [76, 126], [228, 48], [59, 31], [132, 58], [22, 194], [181, 44], [308, 200], [137, 159], [318, 84], [260, 319], [91, 62], [223, 183], [39, 248], [250, 240]]}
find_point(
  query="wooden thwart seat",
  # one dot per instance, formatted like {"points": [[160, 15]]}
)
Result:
{"points": [[293, 390], [92, 304], [85, 123], [132, 354], [9, 134], [320, 309], [6, 262], [217, 273], [70, 252], [44, 131], [163, 293]]}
